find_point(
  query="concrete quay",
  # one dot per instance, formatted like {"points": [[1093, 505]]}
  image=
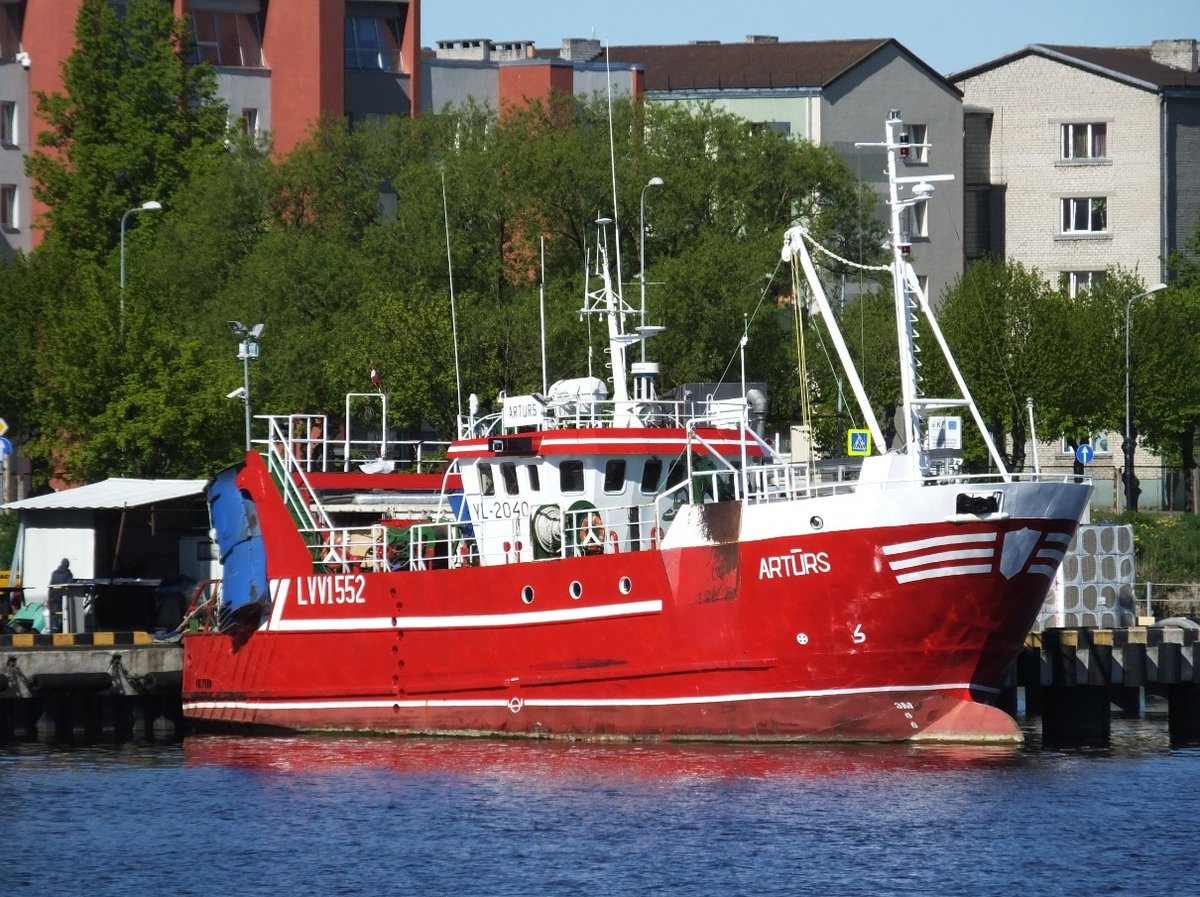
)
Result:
{"points": [[89, 686], [1076, 678]]}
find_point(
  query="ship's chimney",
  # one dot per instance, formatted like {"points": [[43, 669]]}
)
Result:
{"points": [[1178, 54]]}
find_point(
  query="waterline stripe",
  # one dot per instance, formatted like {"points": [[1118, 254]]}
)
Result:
{"points": [[682, 700]]}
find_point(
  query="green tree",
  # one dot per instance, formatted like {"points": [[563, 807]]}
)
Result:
{"points": [[136, 120], [137, 117], [995, 319], [1166, 376]]}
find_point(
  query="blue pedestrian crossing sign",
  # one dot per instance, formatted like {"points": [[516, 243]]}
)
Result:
{"points": [[1085, 453], [858, 442]]}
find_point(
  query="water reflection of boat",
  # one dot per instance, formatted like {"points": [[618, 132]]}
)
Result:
{"points": [[470, 758]]}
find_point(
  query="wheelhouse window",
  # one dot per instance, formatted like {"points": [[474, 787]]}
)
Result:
{"points": [[570, 476], [1088, 140], [487, 483], [535, 479], [614, 475], [508, 473], [651, 476], [1076, 282], [373, 42], [1085, 215], [228, 38]]}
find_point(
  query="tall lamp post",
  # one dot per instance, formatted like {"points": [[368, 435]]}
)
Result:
{"points": [[1129, 448], [247, 350], [653, 182], [150, 205]]}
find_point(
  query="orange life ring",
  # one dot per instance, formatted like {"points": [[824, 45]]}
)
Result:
{"points": [[615, 541], [656, 535], [589, 534]]}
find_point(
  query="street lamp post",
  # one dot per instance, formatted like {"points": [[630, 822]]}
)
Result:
{"points": [[247, 351], [653, 182], [151, 205], [1128, 447]]}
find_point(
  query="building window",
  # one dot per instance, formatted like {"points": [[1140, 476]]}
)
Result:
{"points": [[228, 38], [10, 29], [918, 152], [1098, 442], [783, 128], [8, 123], [249, 122], [8, 206], [1085, 215], [916, 221], [1076, 282], [373, 43], [1085, 141]]}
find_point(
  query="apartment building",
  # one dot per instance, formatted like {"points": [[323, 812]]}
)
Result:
{"points": [[836, 94], [1080, 158], [280, 66]]}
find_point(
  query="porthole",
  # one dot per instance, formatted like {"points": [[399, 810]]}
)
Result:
{"points": [[816, 522], [527, 594], [576, 589], [625, 585]]}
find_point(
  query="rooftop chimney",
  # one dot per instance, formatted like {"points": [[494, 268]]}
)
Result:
{"points": [[580, 49], [1178, 54]]}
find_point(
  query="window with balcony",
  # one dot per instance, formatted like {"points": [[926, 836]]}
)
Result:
{"points": [[1085, 215], [228, 38], [373, 43], [1084, 141]]}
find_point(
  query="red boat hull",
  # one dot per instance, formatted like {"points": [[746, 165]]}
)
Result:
{"points": [[814, 637]]}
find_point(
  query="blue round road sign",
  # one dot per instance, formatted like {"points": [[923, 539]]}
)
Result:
{"points": [[1085, 453]]}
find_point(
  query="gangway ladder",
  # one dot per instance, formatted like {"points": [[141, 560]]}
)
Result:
{"points": [[298, 494]]}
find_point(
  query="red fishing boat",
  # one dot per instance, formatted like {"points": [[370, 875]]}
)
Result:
{"points": [[633, 565]]}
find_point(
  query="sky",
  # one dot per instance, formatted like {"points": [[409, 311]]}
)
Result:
{"points": [[949, 35]]}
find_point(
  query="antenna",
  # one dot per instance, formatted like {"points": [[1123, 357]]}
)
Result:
{"points": [[612, 160], [453, 311], [542, 314]]}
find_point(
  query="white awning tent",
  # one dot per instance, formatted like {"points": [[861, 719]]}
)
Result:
{"points": [[111, 494], [64, 525]]}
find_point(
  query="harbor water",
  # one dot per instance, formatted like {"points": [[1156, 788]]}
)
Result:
{"points": [[351, 815]]}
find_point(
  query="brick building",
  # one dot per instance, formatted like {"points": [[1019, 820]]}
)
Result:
{"points": [[280, 66]]}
